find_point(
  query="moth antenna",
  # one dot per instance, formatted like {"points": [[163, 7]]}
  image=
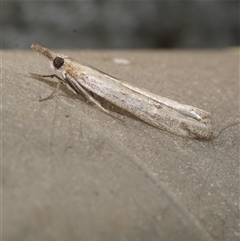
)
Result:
{"points": [[226, 127]]}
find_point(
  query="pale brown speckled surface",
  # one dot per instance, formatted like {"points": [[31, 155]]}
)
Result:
{"points": [[71, 172]]}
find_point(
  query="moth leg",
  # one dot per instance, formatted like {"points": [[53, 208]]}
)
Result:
{"points": [[91, 99], [98, 104], [51, 76]]}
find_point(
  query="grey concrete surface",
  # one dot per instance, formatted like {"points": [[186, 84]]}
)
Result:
{"points": [[71, 172]]}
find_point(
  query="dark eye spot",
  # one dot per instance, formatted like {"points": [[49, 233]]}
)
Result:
{"points": [[58, 62]]}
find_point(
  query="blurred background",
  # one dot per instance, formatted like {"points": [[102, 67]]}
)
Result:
{"points": [[120, 24]]}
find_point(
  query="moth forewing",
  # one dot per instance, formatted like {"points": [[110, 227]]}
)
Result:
{"points": [[190, 111], [152, 111], [158, 111]]}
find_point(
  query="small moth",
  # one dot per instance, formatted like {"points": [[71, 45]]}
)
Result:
{"points": [[166, 114]]}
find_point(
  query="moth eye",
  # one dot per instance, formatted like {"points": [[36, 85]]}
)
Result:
{"points": [[58, 62]]}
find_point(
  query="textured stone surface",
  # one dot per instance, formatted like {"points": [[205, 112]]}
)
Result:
{"points": [[71, 172]]}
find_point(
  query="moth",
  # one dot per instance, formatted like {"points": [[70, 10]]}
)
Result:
{"points": [[161, 112]]}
